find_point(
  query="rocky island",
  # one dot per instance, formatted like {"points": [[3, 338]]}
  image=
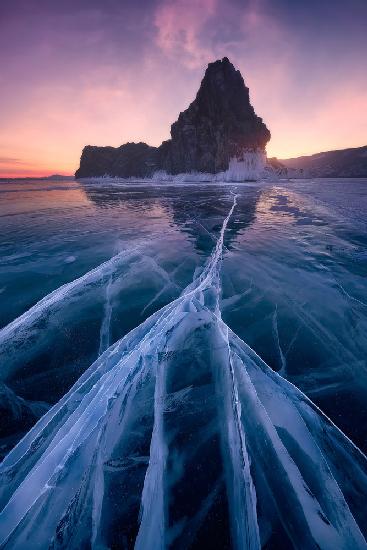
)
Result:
{"points": [[219, 136]]}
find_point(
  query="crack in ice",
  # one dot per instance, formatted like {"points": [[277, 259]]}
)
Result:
{"points": [[125, 432]]}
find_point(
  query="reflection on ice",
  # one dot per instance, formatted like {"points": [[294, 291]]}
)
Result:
{"points": [[179, 435]]}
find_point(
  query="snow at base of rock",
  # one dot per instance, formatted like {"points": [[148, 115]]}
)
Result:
{"points": [[248, 166]]}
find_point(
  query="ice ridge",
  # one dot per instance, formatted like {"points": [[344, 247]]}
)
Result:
{"points": [[178, 424]]}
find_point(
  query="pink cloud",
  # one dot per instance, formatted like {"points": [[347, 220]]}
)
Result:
{"points": [[178, 24]]}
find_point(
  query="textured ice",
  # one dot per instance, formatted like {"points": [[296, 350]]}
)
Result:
{"points": [[179, 435], [19, 332]]}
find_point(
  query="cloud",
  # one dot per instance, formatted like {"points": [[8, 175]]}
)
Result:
{"points": [[10, 160], [179, 25]]}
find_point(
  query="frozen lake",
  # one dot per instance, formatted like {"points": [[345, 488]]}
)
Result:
{"points": [[84, 264]]}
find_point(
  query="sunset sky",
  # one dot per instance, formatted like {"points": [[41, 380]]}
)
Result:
{"points": [[103, 72]]}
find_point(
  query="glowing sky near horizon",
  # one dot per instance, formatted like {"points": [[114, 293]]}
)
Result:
{"points": [[98, 72]]}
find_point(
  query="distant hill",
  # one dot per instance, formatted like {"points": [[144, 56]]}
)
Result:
{"points": [[344, 163], [54, 177], [58, 177]]}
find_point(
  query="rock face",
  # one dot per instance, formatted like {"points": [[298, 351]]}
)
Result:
{"points": [[219, 125], [130, 160]]}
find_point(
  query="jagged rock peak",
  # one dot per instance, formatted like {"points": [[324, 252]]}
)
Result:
{"points": [[217, 126], [221, 78]]}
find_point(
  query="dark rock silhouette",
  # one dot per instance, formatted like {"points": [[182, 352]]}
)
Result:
{"points": [[219, 124], [130, 160]]}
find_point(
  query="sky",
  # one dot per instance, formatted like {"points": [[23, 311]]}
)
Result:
{"points": [[104, 72]]}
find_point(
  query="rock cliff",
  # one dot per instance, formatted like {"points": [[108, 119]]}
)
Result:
{"points": [[219, 125], [129, 160]]}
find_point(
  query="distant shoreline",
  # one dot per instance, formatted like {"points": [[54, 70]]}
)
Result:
{"points": [[56, 177]]}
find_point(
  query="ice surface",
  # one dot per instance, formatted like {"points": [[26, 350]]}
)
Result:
{"points": [[180, 435], [19, 332], [104, 341]]}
